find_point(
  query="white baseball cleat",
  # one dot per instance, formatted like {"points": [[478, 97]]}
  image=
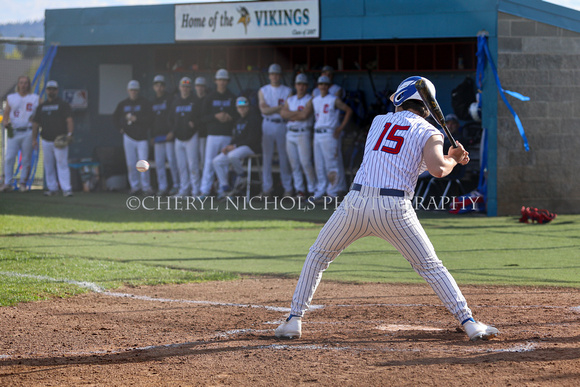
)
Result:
{"points": [[479, 331], [290, 329]]}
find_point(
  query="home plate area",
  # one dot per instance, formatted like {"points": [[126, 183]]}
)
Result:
{"points": [[223, 333]]}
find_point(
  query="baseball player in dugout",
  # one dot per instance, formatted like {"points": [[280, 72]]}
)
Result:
{"points": [[163, 143], [271, 100], [299, 138], [334, 89], [133, 117], [398, 148], [20, 107], [198, 96], [183, 126], [219, 115], [246, 141], [54, 118], [327, 131]]}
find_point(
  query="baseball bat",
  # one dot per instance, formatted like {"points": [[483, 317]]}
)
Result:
{"points": [[434, 108]]}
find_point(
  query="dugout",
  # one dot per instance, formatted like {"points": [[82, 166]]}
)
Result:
{"points": [[373, 45]]}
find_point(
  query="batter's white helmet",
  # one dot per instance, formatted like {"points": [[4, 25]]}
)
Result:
{"points": [[407, 90]]}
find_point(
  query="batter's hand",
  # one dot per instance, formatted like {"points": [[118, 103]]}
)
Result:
{"points": [[460, 155]]}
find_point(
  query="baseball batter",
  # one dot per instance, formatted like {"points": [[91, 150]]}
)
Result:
{"points": [[54, 118], [299, 138], [18, 114], [399, 147], [271, 99]]}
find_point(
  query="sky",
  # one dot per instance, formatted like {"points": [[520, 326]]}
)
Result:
{"points": [[16, 11]]}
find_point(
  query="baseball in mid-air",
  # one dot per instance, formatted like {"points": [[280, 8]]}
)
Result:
{"points": [[142, 165]]}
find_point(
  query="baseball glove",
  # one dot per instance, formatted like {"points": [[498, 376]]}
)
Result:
{"points": [[62, 141]]}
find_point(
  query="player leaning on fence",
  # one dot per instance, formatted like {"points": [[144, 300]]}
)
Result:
{"points": [[398, 148]]}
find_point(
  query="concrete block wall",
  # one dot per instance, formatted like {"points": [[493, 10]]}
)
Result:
{"points": [[543, 62]]}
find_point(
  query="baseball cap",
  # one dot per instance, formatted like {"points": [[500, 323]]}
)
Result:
{"points": [[451, 117], [133, 85], [274, 69], [327, 68], [301, 78], [242, 101], [50, 84], [185, 81], [323, 79], [222, 74], [159, 78], [200, 81]]}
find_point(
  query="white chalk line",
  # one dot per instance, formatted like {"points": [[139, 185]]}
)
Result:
{"points": [[97, 289]]}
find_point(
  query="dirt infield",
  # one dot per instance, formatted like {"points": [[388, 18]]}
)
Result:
{"points": [[222, 334]]}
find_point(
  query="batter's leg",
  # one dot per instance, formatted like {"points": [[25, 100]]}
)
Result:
{"points": [[347, 224], [397, 223]]}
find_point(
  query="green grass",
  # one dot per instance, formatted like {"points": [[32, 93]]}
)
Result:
{"points": [[96, 238], [28, 276]]}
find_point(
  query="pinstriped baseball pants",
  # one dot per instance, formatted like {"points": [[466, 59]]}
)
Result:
{"points": [[365, 213]]}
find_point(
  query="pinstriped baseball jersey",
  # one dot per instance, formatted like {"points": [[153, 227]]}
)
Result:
{"points": [[275, 96], [393, 155], [325, 112], [295, 105]]}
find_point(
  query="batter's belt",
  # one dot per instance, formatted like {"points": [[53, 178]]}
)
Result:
{"points": [[382, 192]]}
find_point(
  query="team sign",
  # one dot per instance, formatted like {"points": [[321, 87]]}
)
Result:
{"points": [[240, 21]]}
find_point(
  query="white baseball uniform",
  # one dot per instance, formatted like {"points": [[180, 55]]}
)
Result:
{"points": [[333, 89], [299, 146], [326, 147], [22, 110], [274, 135], [379, 204]]}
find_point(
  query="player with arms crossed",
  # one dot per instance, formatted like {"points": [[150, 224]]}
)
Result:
{"points": [[399, 147], [299, 137]]}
